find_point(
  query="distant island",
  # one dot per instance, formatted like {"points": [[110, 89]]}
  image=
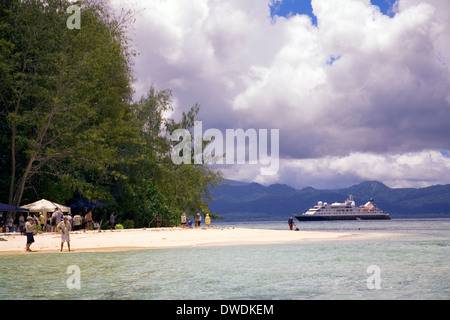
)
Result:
{"points": [[241, 201]]}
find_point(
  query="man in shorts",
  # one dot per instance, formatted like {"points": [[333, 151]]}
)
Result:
{"points": [[56, 218], [29, 227], [65, 227], [88, 219]]}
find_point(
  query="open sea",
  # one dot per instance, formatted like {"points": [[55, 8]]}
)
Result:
{"points": [[415, 265]]}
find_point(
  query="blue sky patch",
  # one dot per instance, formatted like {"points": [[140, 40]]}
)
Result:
{"points": [[387, 7], [445, 154], [332, 60], [288, 8]]}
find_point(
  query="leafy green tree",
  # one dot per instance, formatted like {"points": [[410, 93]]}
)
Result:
{"points": [[173, 189], [69, 126], [189, 184], [66, 97]]}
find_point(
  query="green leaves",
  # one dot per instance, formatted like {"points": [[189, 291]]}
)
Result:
{"points": [[154, 183], [70, 127]]}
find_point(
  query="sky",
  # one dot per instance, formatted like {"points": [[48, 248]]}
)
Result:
{"points": [[358, 89]]}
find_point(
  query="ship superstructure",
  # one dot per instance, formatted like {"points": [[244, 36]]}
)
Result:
{"points": [[343, 211]]}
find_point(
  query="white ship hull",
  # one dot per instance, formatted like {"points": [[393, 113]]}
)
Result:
{"points": [[304, 217], [343, 211]]}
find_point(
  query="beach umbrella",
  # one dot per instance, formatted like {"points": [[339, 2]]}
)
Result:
{"points": [[45, 206], [7, 207]]}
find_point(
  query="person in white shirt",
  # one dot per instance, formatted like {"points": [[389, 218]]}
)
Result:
{"points": [[77, 222], [29, 226], [9, 224], [65, 227]]}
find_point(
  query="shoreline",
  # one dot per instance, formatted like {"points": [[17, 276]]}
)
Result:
{"points": [[164, 238]]}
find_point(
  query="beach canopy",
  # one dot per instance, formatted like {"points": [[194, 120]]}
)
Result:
{"points": [[7, 207], [45, 206], [86, 203]]}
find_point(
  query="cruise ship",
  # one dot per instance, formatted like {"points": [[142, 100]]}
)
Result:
{"points": [[343, 211]]}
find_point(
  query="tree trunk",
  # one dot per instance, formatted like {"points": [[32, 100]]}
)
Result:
{"points": [[13, 133]]}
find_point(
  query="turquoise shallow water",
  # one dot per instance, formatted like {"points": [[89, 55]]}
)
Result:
{"points": [[415, 265]]}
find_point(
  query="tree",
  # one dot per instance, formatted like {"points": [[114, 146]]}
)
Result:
{"points": [[174, 189], [67, 93], [70, 127], [189, 184]]}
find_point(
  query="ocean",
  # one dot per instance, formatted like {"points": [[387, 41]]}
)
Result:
{"points": [[413, 266]]}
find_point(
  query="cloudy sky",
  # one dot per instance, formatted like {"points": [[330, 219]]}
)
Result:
{"points": [[359, 89]]}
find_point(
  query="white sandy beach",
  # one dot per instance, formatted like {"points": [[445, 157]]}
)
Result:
{"points": [[156, 238]]}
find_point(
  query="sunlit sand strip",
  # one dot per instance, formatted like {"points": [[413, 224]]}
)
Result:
{"points": [[158, 238]]}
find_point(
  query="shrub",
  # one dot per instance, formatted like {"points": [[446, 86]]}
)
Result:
{"points": [[119, 227], [128, 224]]}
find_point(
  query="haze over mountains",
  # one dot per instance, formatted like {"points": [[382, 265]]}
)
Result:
{"points": [[240, 201]]}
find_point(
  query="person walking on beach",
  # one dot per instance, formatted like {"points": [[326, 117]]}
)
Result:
{"points": [[42, 221], [183, 219], [111, 221], [291, 223], [77, 222], [64, 227], [10, 223], [158, 220], [198, 221], [29, 228], [207, 220], [88, 219], [56, 219]]}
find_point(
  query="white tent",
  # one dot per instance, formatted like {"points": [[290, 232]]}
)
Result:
{"points": [[45, 207]]}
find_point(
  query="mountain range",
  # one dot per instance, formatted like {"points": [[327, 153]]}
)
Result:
{"points": [[241, 201]]}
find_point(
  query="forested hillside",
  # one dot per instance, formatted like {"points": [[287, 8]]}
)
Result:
{"points": [[253, 201]]}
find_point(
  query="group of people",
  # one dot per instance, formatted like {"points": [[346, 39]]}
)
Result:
{"points": [[185, 222], [76, 222], [56, 222], [9, 224], [64, 226], [47, 222]]}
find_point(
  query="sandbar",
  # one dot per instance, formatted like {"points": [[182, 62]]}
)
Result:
{"points": [[160, 238]]}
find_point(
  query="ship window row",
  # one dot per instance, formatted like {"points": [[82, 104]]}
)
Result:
{"points": [[334, 212]]}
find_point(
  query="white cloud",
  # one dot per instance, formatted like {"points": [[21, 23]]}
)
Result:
{"points": [[385, 92], [417, 169], [409, 170]]}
